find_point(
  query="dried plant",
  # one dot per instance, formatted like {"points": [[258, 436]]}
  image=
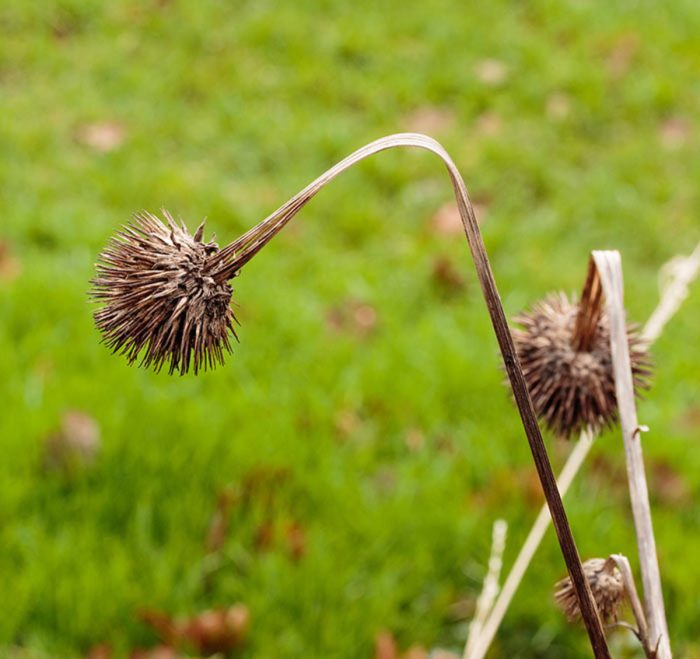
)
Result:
{"points": [[677, 276], [160, 296], [166, 294], [570, 374], [145, 298], [607, 587]]}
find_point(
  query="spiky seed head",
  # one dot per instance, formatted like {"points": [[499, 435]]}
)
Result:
{"points": [[572, 389], [606, 585], [163, 301]]}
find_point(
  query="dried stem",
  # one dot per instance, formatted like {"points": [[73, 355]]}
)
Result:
{"points": [[682, 272], [642, 630], [589, 313], [609, 267], [490, 587], [232, 258], [527, 552]]}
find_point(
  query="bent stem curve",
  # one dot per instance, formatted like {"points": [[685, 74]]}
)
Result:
{"points": [[231, 258]]}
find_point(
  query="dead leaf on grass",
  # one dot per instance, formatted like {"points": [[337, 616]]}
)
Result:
{"points": [[620, 56], [558, 106], [74, 445], [414, 440], [385, 646], [429, 119], [102, 136], [447, 221], [353, 316], [668, 486], [491, 72], [447, 276], [210, 632], [674, 132], [9, 264], [295, 537], [488, 124], [218, 526]]}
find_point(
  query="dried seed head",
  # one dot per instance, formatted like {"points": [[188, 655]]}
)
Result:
{"points": [[572, 389], [163, 299], [607, 587]]}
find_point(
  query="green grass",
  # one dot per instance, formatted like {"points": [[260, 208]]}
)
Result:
{"points": [[230, 108]]}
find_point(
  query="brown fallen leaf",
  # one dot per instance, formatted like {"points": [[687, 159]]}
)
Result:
{"points": [[353, 316], [296, 540], [621, 54], [210, 632], [157, 652], [9, 264], [100, 651], [347, 422], [491, 72], [74, 445], [674, 132], [488, 124], [608, 475], [668, 486], [447, 221], [429, 119], [385, 646], [102, 136], [264, 536], [447, 277], [414, 440], [415, 652], [558, 106], [218, 526]]}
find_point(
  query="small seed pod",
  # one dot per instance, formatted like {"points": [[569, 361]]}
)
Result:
{"points": [[162, 298], [607, 587], [564, 349]]}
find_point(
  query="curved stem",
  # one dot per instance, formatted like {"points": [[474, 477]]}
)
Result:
{"points": [[234, 256]]}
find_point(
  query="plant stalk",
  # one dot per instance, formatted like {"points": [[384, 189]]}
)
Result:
{"points": [[609, 267], [233, 257]]}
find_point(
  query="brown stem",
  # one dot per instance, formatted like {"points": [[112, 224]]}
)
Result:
{"points": [[642, 630], [589, 312], [231, 259]]}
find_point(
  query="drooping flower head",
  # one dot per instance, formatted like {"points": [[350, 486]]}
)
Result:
{"points": [[162, 299]]}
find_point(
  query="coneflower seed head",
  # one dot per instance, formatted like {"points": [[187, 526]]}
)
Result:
{"points": [[163, 300], [606, 585], [572, 389]]}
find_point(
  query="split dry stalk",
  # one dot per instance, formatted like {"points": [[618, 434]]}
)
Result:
{"points": [[284, 214], [608, 265], [642, 630], [681, 272]]}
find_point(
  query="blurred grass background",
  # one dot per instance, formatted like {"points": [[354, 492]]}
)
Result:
{"points": [[364, 406]]}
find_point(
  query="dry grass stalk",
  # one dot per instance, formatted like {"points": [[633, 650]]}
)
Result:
{"points": [[608, 265], [642, 630], [490, 588], [228, 262], [682, 271]]}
